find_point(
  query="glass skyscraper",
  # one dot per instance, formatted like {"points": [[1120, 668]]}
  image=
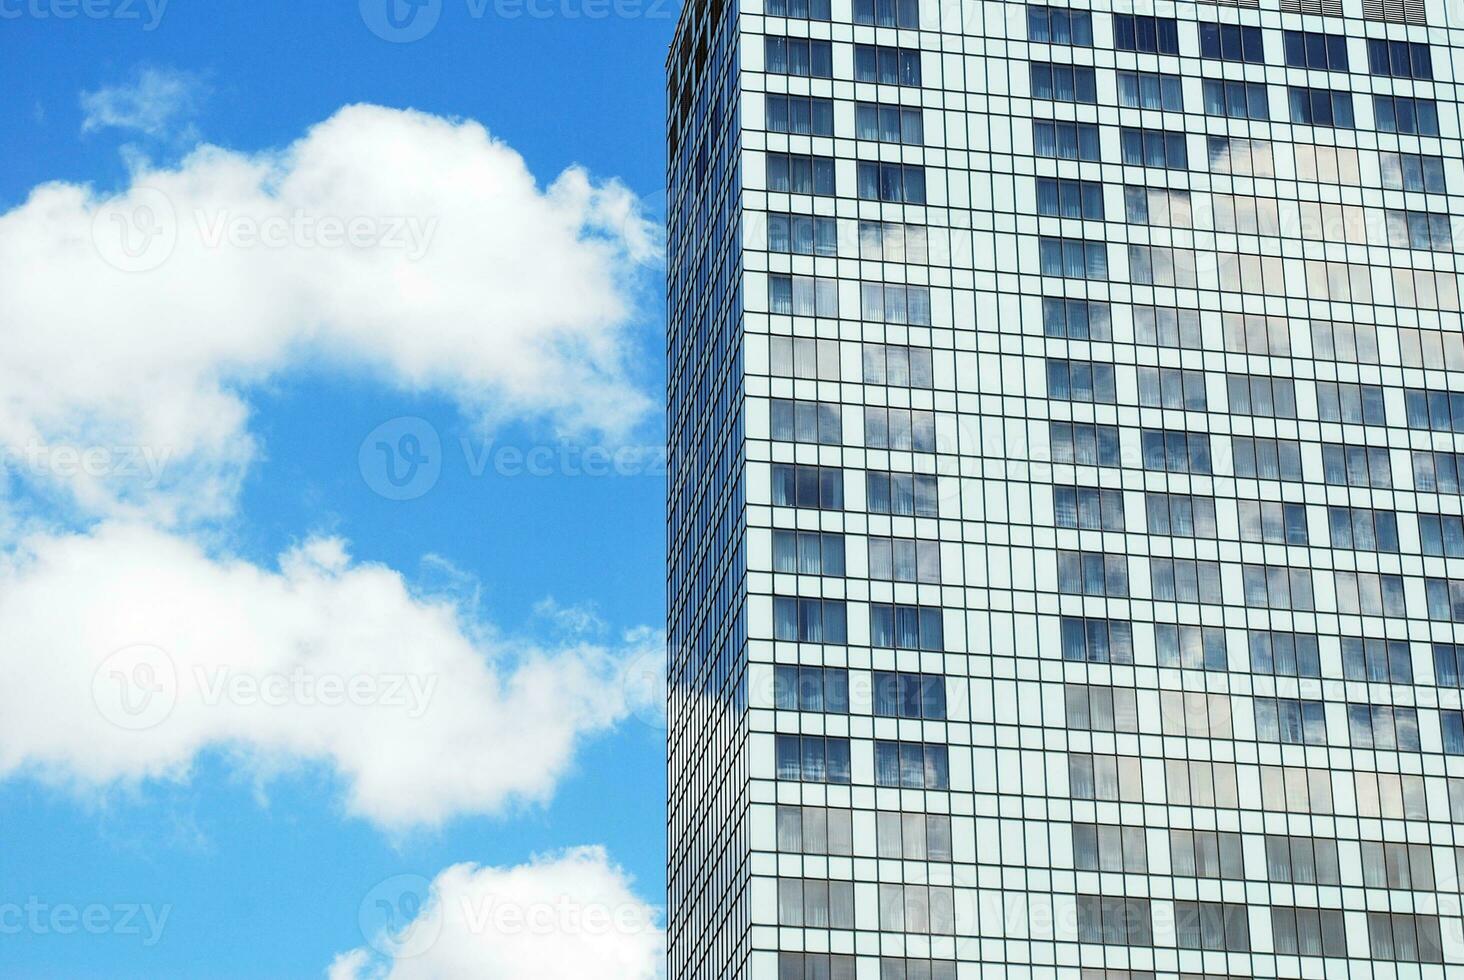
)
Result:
{"points": [[1066, 559]]}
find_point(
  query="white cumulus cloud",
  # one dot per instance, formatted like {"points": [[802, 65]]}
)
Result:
{"points": [[569, 916], [405, 250], [414, 251], [128, 651]]}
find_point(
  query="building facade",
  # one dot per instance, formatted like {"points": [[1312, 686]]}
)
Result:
{"points": [[1066, 559]]}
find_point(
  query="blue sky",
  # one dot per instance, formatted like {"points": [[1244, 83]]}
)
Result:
{"points": [[260, 852]]}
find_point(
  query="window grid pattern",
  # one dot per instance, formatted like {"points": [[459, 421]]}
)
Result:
{"points": [[1103, 435]]}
